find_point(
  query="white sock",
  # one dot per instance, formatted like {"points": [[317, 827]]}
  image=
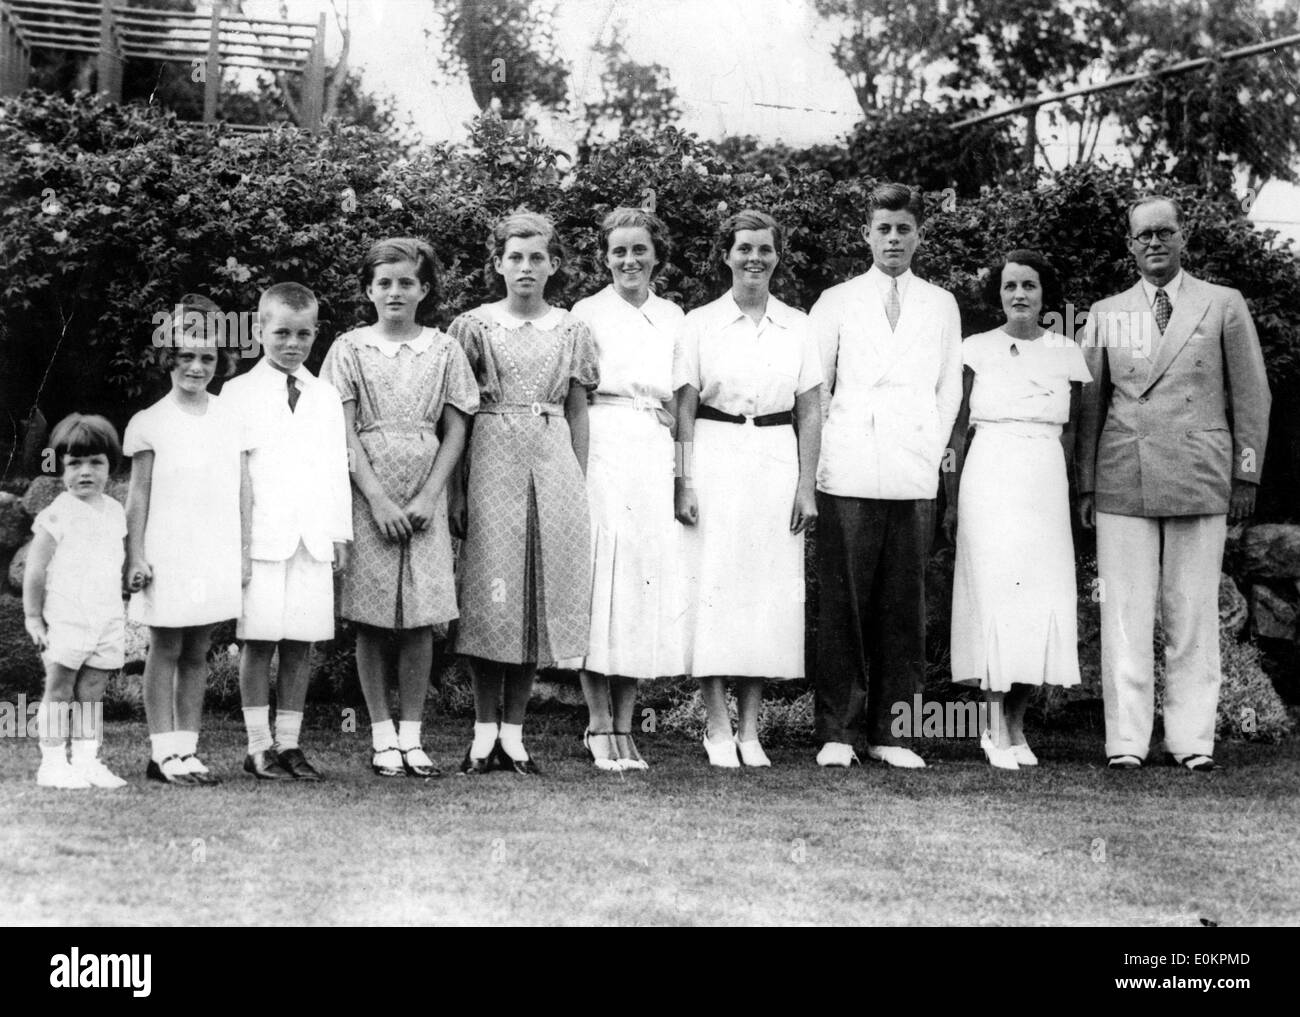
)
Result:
{"points": [[161, 746], [485, 737], [257, 721], [408, 735], [383, 735], [512, 740], [84, 750], [53, 752], [288, 725], [187, 743]]}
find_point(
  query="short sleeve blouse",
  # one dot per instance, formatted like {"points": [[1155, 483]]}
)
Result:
{"points": [[1023, 380], [509, 368], [746, 368], [636, 346]]}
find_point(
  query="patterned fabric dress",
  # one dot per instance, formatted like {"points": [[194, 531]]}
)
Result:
{"points": [[525, 567], [400, 390]]}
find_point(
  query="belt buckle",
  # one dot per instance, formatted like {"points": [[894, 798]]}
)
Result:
{"points": [[537, 409], [646, 403]]}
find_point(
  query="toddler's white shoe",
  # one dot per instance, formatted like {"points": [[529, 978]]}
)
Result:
{"points": [[97, 774]]}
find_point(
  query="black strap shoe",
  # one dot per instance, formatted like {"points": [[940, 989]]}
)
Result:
{"points": [[295, 764], [204, 777], [472, 767], [502, 760], [264, 765], [155, 772]]}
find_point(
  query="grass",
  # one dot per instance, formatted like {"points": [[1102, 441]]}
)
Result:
{"points": [[1069, 843]]}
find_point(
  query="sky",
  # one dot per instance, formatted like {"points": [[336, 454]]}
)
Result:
{"points": [[760, 67]]}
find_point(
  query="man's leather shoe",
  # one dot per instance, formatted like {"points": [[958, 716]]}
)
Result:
{"points": [[293, 762], [265, 766]]}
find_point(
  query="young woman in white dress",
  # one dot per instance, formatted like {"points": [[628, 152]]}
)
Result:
{"points": [[749, 424], [636, 601], [1014, 621]]}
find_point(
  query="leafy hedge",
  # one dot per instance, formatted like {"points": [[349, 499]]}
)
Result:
{"points": [[107, 214]]}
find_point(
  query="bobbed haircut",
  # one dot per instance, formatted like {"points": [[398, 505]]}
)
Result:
{"points": [[746, 219], [1154, 199], [621, 218], [394, 249], [1048, 278], [294, 296], [524, 224], [86, 434], [213, 334], [897, 198]]}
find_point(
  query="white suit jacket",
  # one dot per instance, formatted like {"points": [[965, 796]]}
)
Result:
{"points": [[299, 467], [890, 398]]}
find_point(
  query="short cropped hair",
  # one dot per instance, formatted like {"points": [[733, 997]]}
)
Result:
{"points": [[525, 224], [746, 219], [86, 434], [1048, 278], [1153, 199], [196, 303], [648, 221], [394, 249], [897, 198], [294, 296]]}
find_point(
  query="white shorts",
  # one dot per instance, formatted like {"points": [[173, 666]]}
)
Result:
{"points": [[74, 645], [291, 599]]}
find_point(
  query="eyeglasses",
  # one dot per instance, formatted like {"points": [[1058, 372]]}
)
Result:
{"points": [[1146, 236]]}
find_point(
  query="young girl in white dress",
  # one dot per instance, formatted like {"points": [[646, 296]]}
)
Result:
{"points": [[188, 516], [636, 598], [1014, 621], [749, 423]]}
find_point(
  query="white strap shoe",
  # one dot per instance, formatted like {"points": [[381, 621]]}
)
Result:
{"points": [[1002, 759], [896, 755]]}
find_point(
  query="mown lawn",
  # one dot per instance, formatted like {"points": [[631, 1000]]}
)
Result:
{"points": [[959, 843]]}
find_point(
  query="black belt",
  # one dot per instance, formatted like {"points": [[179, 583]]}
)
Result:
{"points": [[766, 420]]}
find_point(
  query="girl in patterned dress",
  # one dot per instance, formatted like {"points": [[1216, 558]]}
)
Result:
{"points": [[399, 381], [525, 567]]}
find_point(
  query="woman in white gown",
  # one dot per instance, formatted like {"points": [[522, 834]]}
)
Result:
{"points": [[1014, 597], [636, 598]]}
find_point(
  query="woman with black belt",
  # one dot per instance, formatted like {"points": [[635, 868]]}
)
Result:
{"points": [[749, 426]]}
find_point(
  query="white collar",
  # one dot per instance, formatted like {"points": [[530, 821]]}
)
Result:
{"points": [[270, 372], [656, 310], [1171, 288], [545, 323], [776, 312], [882, 282], [390, 347]]}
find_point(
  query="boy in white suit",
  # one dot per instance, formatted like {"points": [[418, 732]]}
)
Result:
{"points": [[891, 356], [302, 523]]}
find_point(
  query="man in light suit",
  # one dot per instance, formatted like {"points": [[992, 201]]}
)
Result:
{"points": [[891, 357], [1170, 446]]}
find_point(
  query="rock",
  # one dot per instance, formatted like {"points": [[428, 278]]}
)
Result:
{"points": [[16, 566], [1273, 615], [1234, 612], [15, 523], [1268, 551], [43, 490]]}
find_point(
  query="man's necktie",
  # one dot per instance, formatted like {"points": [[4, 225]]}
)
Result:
{"points": [[293, 392], [1163, 310], [892, 304]]}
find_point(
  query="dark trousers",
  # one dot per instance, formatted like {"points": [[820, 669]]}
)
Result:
{"points": [[871, 558]]}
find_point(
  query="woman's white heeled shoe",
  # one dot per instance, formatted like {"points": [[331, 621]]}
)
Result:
{"points": [[722, 753], [752, 754], [1003, 759], [1024, 755]]}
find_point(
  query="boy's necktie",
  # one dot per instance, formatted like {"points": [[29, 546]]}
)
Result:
{"points": [[1163, 310], [293, 392], [892, 305]]}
